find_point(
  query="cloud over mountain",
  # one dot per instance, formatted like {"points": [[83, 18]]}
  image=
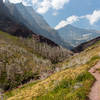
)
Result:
{"points": [[68, 20], [92, 18], [42, 6]]}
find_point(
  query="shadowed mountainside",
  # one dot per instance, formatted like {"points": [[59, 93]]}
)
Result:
{"points": [[85, 45]]}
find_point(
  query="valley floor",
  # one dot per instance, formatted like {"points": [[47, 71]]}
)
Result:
{"points": [[95, 90]]}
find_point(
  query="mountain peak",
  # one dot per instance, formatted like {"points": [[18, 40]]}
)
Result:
{"points": [[69, 27]]}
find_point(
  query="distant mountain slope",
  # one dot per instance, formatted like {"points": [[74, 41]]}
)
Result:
{"points": [[76, 36], [85, 45], [25, 15]]}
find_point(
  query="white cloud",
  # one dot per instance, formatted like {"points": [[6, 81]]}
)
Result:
{"points": [[12, 1], [4, 0], [15, 1], [43, 7], [69, 20], [27, 2], [34, 2], [93, 18], [58, 4]]}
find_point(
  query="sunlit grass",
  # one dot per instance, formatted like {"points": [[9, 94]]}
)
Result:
{"points": [[60, 82], [71, 82]]}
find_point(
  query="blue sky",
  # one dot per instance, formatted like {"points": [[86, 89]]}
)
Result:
{"points": [[59, 13], [76, 8]]}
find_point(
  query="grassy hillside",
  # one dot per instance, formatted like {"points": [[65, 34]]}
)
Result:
{"points": [[71, 82], [18, 64], [25, 59]]}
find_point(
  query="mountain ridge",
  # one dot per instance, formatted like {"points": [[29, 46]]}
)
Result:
{"points": [[22, 15], [76, 36]]}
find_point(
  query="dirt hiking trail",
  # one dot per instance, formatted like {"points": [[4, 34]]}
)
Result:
{"points": [[95, 90]]}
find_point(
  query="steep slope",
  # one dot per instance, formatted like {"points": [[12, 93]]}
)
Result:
{"points": [[11, 26], [18, 64], [25, 59], [11, 21], [26, 15], [76, 36], [71, 82], [14, 28]]}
